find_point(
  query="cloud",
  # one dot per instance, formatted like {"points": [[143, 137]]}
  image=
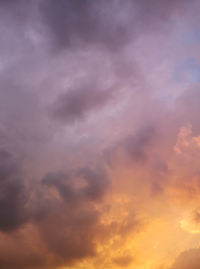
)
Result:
{"points": [[188, 259], [98, 64], [187, 108], [25, 261], [123, 261], [63, 212], [83, 184], [112, 24], [136, 146], [13, 195], [71, 222], [77, 103], [75, 23]]}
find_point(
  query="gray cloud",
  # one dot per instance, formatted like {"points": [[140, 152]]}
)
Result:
{"points": [[13, 195], [77, 103], [71, 223], [33, 261], [63, 212], [112, 24], [135, 146], [63, 206], [84, 184], [81, 22]]}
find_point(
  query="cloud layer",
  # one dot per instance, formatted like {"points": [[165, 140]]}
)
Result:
{"points": [[99, 134]]}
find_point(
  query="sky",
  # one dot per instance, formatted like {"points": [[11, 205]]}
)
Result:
{"points": [[99, 134]]}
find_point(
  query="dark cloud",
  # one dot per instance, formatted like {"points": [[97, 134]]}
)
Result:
{"points": [[77, 103], [68, 218], [64, 208], [70, 232], [64, 212], [71, 223], [82, 23], [32, 261], [135, 146], [84, 184], [13, 195], [188, 259]]}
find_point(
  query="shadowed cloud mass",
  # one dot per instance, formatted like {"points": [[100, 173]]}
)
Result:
{"points": [[99, 134]]}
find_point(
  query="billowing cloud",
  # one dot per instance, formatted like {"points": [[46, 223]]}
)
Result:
{"points": [[99, 136]]}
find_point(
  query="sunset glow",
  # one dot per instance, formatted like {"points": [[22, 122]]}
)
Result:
{"points": [[99, 134]]}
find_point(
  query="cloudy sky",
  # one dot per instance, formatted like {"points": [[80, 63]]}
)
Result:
{"points": [[99, 134]]}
